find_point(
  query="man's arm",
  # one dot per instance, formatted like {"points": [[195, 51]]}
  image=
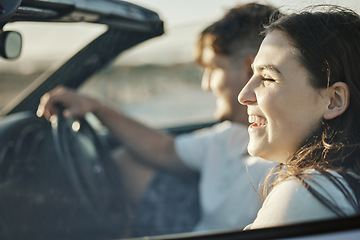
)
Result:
{"points": [[145, 143]]}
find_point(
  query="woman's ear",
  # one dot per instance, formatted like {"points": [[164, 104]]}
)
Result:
{"points": [[339, 99]]}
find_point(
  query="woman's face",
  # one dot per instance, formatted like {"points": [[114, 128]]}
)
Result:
{"points": [[283, 108]]}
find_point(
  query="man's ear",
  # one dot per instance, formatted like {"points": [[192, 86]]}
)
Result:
{"points": [[339, 99], [247, 65]]}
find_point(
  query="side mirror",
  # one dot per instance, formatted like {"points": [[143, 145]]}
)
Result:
{"points": [[10, 44]]}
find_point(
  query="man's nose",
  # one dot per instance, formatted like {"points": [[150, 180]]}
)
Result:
{"points": [[205, 81]]}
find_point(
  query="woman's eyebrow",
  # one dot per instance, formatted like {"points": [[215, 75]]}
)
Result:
{"points": [[268, 67]]}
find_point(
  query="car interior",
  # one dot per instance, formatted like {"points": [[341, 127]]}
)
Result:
{"points": [[56, 179]]}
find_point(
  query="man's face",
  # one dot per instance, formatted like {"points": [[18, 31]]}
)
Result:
{"points": [[225, 78]]}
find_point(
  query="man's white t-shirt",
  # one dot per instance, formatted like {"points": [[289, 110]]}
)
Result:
{"points": [[230, 178]]}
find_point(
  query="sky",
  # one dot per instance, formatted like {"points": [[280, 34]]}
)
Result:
{"points": [[183, 19]]}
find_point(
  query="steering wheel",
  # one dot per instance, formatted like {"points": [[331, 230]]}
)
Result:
{"points": [[86, 159]]}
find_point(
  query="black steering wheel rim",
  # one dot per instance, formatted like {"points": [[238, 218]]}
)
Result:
{"points": [[86, 159]]}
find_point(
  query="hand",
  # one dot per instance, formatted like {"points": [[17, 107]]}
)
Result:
{"points": [[74, 104]]}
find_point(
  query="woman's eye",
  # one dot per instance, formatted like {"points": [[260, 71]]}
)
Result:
{"points": [[267, 81], [264, 79]]}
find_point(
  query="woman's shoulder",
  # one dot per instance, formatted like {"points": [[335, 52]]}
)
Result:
{"points": [[328, 188], [294, 200], [292, 192]]}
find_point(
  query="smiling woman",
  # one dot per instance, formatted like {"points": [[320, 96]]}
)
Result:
{"points": [[304, 115], [281, 100]]}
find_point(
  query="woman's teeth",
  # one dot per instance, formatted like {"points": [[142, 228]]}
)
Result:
{"points": [[257, 120]]}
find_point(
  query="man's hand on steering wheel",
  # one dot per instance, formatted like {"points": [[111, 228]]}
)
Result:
{"points": [[74, 104]]}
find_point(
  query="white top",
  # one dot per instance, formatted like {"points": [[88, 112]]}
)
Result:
{"points": [[290, 202], [219, 154]]}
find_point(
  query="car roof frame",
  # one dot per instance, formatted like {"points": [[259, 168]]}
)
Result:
{"points": [[115, 13]]}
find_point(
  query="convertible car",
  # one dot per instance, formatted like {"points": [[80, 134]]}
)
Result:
{"points": [[56, 179]]}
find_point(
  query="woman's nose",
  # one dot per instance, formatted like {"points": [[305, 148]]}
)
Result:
{"points": [[247, 95]]}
